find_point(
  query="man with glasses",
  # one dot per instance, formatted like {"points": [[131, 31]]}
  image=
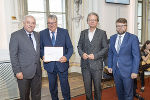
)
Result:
{"points": [[92, 47], [24, 48], [54, 36], [123, 59]]}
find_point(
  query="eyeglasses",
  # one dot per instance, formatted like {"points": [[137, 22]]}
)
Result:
{"points": [[51, 23], [120, 26], [92, 20]]}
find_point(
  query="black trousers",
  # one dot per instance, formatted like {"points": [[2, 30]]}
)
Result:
{"points": [[142, 79], [27, 85], [135, 86]]}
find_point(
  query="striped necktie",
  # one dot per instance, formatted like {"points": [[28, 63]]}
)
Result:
{"points": [[119, 44]]}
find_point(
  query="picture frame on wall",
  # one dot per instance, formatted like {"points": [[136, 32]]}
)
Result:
{"points": [[125, 2]]}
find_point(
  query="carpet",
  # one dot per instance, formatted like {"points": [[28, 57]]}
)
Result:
{"points": [[110, 93]]}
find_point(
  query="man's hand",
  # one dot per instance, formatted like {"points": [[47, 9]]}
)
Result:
{"points": [[63, 59], [133, 75], [85, 56], [19, 75], [91, 56], [110, 70], [45, 61]]}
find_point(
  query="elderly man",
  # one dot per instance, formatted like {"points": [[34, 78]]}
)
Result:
{"points": [[24, 49]]}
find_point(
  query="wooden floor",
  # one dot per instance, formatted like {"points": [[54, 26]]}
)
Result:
{"points": [[76, 86]]}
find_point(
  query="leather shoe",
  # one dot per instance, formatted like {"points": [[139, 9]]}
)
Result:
{"points": [[142, 89], [138, 96]]}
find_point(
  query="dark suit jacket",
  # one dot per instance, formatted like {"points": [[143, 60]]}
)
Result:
{"points": [[128, 57], [98, 46], [23, 56], [62, 40]]}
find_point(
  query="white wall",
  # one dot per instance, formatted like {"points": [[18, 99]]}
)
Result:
{"points": [[3, 27], [8, 8], [109, 13]]}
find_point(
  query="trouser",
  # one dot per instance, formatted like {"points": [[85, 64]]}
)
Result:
{"points": [[89, 76], [34, 84]]}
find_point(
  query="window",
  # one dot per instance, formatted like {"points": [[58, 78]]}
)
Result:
{"points": [[40, 9], [140, 20]]}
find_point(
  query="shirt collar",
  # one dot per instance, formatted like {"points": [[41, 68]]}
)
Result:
{"points": [[51, 31], [28, 32], [121, 35], [93, 31]]}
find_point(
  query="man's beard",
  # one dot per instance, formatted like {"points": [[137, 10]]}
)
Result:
{"points": [[120, 33]]}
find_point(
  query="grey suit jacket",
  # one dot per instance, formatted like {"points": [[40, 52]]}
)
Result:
{"points": [[98, 46], [23, 56]]}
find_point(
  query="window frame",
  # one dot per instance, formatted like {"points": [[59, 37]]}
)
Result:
{"points": [[141, 28], [47, 12]]}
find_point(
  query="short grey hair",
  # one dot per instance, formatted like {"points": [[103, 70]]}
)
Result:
{"points": [[93, 13], [26, 16], [52, 16]]}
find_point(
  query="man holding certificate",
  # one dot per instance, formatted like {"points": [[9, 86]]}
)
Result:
{"points": [[56, 50]]}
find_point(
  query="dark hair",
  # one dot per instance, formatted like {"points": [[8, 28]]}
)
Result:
{"points": [[93, 13], [121, 20], [144, 45]]}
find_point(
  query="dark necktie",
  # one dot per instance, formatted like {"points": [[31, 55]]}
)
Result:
{"points": [[53, 38], [30, 38], [119, 44]]}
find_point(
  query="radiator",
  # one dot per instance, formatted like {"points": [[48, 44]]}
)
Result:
{"points": [[8, 83]]}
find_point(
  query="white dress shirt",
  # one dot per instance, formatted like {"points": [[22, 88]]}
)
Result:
{"points": [[51, 34], [90, 35], [33, 39]]}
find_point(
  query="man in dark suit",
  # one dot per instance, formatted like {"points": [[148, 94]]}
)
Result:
{"points": [[24, 50], [92, 47], [123, 59], [54, 36]]}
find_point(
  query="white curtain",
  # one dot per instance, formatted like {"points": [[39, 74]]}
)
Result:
{"points": [[145, 20], [77, 11]]}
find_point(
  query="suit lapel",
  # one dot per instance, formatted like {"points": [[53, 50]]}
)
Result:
{"points": [[58, 37], [125, 40], [27, 39], [48, 37], [86, 36], [37, 41], [95, 36], [114, 41]]}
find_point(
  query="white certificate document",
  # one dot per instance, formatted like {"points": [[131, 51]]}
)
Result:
{"points": [[53, 53]]}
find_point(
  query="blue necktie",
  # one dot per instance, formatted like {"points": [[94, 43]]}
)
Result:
{"points": [[119, 44], [53, 38], [30, 38]]}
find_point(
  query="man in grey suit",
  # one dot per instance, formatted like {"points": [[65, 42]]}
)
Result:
{"points": [[24, 50], [92, 47]]}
